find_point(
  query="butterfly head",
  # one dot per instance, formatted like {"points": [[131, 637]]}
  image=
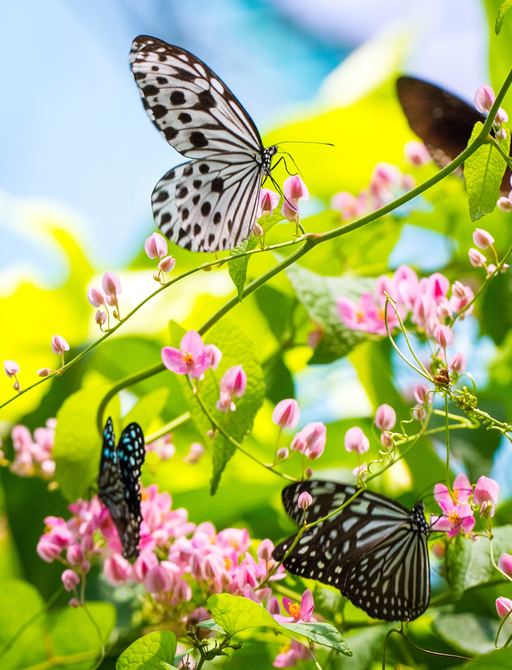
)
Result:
{"points": [[418, 512]]}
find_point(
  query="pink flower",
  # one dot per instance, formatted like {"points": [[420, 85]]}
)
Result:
{"points": [[111, 284], [167, 264], [486, 495], [95, 297], [356, 440], [503, 606], [290, 655], [155, 246], [505, 564], [304, 501], [310, 440], [476, 258], [70, 579], [298, 612], [268, 201], [48, 549], [482, 238], [11, 368], [234, 381], [117, 569], [191, 359], [505, 204], [265, 549], [59, 345], [195, 453], [294, 189], [417, 153], [157, 579], [385, 417], [484, 98], [457, 513], [214, 355], [286, 413], [100, 317], [443, 335], [420, 393], [458, 363]]}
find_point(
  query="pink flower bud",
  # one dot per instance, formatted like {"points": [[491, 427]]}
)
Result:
{"points": [[155, 246], [273, 606], [420, 393], [417, 153], [258, 230], [458, 362], [443, 335], [505, 204], [484, 98], [385, 174], [47, 549], [385, 417], [289, 210], [486, 495], [476, 258], [234, 381], [482, 238], [167, 264], [117, 569], [111, 284], [157, 580], [214, 355], [503, 606], [501, 133], [11, 368], [70, 579], [505, 564], [419, 413], [44, 372], [304, 501], [360, 470], [501, 116], [356, 440], [386, 440], [491, 269], [265, 549], [59, 344], [195, 453], [286, 414], [74, 602], [310, 440], [268, 201], [74, 554], [294, 188], [95, 297], [100, 317]]}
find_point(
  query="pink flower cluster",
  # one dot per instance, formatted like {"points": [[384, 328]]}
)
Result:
{"points": [[106, 299], [155, 246], [309, 441], [386, 183], [294, 189], [194, 358], [33, 453], [430, 302], [461, 502], [178, 560], [484, 100]]}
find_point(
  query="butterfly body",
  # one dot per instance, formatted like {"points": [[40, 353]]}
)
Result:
{"points": [[118, 483], [374, 550], [209, 203], [441, 119]]}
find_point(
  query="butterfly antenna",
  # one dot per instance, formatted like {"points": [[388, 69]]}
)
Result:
{"points": [[325, 144]]}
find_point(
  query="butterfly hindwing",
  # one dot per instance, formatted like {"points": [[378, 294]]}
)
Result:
{"points": [[374, 550], [118, 483], [209, 204]]}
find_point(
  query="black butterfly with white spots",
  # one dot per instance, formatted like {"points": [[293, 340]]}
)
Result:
{"points": [[374, 551], [209, 203], [118, 483]]}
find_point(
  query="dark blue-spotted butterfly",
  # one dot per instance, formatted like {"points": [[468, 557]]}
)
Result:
{"points": [[118, 482], [374, 551]]}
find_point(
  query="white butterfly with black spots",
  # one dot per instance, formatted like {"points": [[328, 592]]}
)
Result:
{"points": [[374, 551], [209, 203]]}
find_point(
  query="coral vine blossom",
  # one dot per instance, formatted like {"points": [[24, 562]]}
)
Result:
{"points": [[192, 358]]}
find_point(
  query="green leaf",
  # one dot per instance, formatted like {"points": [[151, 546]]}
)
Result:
{"points": [[469, 563], [147, 408], [20, 603], [238, 266], [501, 15], [497, 660], [483, 172], [366, 646], [73, 633], [467, 633], [236, 613], [318, 294], [321, 633], [278, 379], [77, 442], [154, 651]]}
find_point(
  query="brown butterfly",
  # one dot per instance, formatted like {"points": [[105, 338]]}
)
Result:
{"points": [[441, 119]]}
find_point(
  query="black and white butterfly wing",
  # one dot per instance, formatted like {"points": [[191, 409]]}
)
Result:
{"points": [[118, 483], [202, 119], [366, 532], [441, 119]]}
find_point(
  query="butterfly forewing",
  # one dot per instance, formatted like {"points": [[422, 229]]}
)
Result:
{"points": [[210, 203], [361, 549], [118, 483]]}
